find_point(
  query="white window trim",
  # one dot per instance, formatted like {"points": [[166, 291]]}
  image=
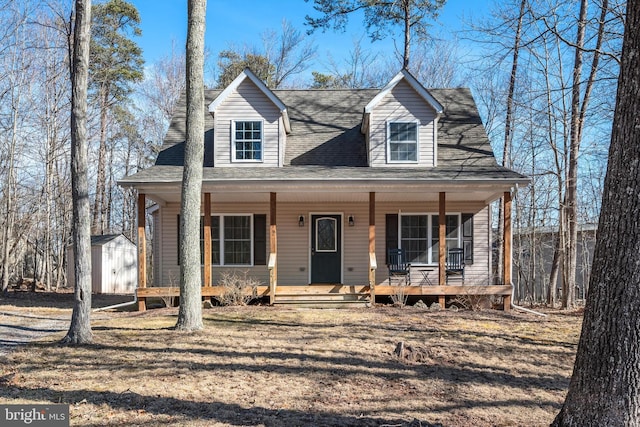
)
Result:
{"points": [[429, 215], [221, 241], [388, 142], [233, 141]]}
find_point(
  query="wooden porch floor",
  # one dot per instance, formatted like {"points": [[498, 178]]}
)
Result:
{"points": [[337, 292]]}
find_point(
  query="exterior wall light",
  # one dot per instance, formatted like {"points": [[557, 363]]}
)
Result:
{"points": [[301, 221], [352, 221]]}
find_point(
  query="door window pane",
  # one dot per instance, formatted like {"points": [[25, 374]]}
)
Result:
{"points": [[326, 238]]}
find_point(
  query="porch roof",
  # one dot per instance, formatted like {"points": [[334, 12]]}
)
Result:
{"points": [[163, 183], [160, 174]]}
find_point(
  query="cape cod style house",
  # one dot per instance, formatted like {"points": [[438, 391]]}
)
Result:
{"points": [[309, 191]]}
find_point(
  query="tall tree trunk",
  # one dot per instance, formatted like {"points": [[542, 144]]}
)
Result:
{"points": [[9, 208], [80, 328], [558, 161], [571, 207], [553, 276], [97, 221], [604, 388], [190, 312], [108, 198], [407, 34], [506, 148], [578, 113]]}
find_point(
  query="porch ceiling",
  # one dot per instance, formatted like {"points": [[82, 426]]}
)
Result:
{"points": [[337, 195]]}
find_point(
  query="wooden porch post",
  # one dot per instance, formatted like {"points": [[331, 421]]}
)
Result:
{"points": [[142, 250], [273, 248], [207, 239], [507, 247], [372, 246], [442, 246]]}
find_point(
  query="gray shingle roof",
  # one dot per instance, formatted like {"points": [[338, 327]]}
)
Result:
{"points": [[103, 239], [326, 142], [325, 127]]}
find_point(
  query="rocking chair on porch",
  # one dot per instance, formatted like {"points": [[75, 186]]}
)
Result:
{"points": [[455, 264], [398, 266]]}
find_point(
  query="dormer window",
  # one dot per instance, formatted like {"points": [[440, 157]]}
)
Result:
{"points": [[402, 142], [247, 141]]}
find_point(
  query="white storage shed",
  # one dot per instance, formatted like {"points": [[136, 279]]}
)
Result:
{"points": [[114, 268]]}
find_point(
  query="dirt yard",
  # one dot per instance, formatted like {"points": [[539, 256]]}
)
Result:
{"points": [[265, 366]]}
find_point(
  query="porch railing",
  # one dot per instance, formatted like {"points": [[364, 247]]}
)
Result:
{"points": [[273, 277], [373, 265]]}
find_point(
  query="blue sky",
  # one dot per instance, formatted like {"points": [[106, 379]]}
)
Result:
{"points": [[240, 22]]}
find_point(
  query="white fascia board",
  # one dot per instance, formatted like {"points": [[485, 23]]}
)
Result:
{"points": [[233, 86], [415, 84]]}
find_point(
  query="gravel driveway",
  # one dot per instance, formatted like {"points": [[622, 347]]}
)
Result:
{"points": [[28, 316], [19, 328]]}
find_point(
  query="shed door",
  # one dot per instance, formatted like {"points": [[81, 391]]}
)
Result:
{"points": [[326, 249]]}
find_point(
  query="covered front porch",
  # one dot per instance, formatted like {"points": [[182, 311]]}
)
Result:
{"points": [[367, 286]]}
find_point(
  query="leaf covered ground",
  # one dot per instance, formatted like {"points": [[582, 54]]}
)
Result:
{"points": [[267, 366]]}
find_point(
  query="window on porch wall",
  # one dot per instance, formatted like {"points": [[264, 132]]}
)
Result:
{"points": [[237, 240], [421, 241], [241, 241]]}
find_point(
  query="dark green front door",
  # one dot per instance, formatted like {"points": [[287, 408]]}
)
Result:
{"points": [[326, 249]]}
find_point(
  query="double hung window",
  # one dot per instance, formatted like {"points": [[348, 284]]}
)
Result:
{"points": [[231, 240], [247, 141], [419, 236], [402, 142]]}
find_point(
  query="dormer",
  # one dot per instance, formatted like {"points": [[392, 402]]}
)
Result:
{"points": [[401, 125], [250, 124]]}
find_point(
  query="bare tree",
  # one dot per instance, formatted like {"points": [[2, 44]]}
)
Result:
{"points": [[80, 328], [14, 70], [289, 52], [436, 64], [360, 69], [165, 83], [283, 55], [604, 387], [52, 80], [553, 107], [508, 122], [190, 312]]}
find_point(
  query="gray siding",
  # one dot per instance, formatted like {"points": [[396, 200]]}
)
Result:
{"points": [[402, 104], [248, 103], [475, 274], [168, 249], [293, 241], [156, 218]]}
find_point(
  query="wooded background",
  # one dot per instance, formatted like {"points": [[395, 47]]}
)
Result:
{"points": [[543, 73]]}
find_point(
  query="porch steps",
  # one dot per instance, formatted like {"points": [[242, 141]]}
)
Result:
{"points": [[323, 296]]}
